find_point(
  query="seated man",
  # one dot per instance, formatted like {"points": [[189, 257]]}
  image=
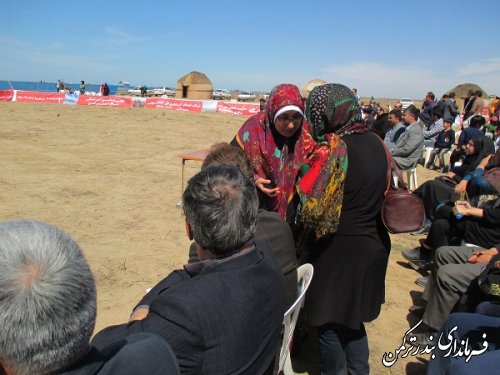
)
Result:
{"points": [[408, 148], [397, 128], [48, 311], [223, 314], [432, 130], [271, 227]]}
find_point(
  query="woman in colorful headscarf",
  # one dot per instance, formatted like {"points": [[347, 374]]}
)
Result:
{"points": [[275, 140], [341, 192]]}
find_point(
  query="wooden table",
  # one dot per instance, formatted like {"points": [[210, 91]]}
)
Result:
{"points": [[198, 155]]}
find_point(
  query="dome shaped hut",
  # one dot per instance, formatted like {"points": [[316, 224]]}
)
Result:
{"points": [[307, 88], [194, 85]]}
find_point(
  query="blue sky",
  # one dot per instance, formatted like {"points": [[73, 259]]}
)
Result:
{"points": [[384, 48]]}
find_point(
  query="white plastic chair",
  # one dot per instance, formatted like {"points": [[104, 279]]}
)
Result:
{"points": [[304, 277], [411, 177]]}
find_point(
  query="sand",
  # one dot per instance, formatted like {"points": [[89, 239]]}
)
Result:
{"points": [[111, 178]]}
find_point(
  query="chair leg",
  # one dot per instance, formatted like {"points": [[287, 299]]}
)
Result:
{"points": [[287, 368], [428, 151]]}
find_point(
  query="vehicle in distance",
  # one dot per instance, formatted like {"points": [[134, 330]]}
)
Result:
{"points": [[221, 94], [136, 91], [160, 91], [246, 96], [406, 102]]}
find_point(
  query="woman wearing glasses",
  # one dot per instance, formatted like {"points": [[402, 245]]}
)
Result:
{"points": [[275, 140]]}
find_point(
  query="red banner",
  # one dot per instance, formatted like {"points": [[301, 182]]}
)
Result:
{"points": [[6, 95], [105, 101], [175, 104], [39, 97], [238, 108]]}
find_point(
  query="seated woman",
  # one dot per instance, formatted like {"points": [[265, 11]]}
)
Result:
{"points": [[477, 226], [441, 189], [275, 141]]}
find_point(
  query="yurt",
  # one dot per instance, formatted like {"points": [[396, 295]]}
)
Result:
{"points": [[461, 92], [307, 88], [194, 85]]}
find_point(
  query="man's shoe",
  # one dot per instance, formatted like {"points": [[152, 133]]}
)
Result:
{"points": [[411, 254], [422, 281], [417, 310], [420, 264], [417, 254]]}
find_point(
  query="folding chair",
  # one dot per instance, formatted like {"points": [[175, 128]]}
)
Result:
{"points": [[304, 276]]}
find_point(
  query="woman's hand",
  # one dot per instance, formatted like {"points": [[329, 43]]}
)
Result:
{"points": [[260, 182], [461, 186], [463, 207], [450, 174]]}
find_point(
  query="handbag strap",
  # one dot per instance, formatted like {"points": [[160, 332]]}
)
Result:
{"points": [[392, 167]]}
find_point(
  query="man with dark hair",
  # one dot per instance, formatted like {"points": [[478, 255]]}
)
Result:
{"points": [[450, 110], [48, 311], [408, 148], [468, 102], [425, 116], [397, 128], [434, 128], [478, 105], [271, 227], [223, 314]]}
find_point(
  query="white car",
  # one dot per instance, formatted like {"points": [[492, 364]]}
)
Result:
{"points": [[136, 91], [221, 94], [246, 96], [406, 102], [160, 91]]}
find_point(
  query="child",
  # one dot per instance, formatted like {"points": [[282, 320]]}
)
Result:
{"points": [[444, 141]]}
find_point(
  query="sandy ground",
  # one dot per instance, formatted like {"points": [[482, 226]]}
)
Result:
{"points": [[111, 178]]}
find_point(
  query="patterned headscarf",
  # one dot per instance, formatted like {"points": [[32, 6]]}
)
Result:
{"points": [[332, 112], [274, 157]]}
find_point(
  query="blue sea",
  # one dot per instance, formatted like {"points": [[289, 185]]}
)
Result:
{"points": [[52, 86]]}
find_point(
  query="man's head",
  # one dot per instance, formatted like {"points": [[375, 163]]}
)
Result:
{"points": [[447, 123], [452, 95], [394, 117], [47, 298], [220, 205], [477, 121], [430, 96], [223, 153], [410, 115], [436, 113], [479, 93]]}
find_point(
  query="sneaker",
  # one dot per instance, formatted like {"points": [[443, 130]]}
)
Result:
{"points": [[422, 281], [420, 264], [411, 254]]}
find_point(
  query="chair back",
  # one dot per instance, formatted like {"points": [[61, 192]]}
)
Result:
{"points": [[304, 277]]}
